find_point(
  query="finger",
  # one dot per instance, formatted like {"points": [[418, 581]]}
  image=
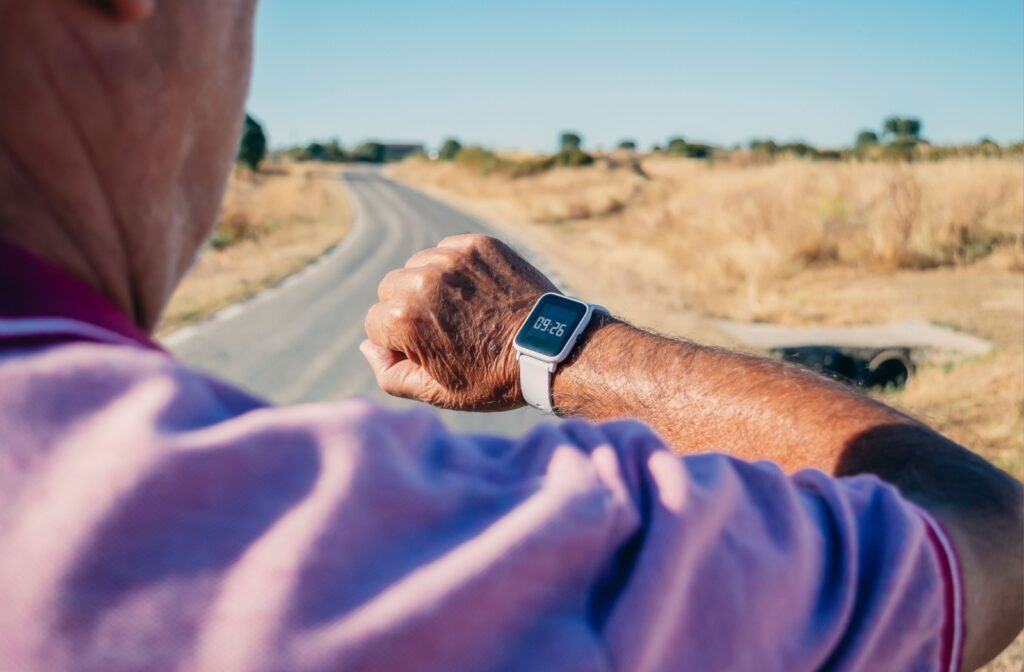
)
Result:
{"points": [[392, 284], [398, 376], [464, 241], [432, 255], [379, 358], [382, 325]]}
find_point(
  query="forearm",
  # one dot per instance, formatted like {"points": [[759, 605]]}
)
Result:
{"points": [[702, 399]]}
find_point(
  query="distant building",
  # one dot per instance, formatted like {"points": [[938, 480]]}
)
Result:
{"points": [[399, 151]]}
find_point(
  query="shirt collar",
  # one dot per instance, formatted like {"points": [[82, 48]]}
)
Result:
{"points": [[41, 303]]}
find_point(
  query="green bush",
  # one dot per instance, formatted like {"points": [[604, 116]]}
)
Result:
{"points": [[369, 152], [676, 145], [252, 148], [866, 138], [487, 162], [334, 152], [766, 147], [573, 158], [570, 140], [483, 160], [800, 149], [691, 150], [902, 128], [628, 145], [449, 150], [329, 152], [901, 149], [527, 167]]}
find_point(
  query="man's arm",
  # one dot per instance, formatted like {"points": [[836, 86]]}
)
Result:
{"points": [[443, 334]]}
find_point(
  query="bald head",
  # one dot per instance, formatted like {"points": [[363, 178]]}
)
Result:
{"points": [[121, 130]]}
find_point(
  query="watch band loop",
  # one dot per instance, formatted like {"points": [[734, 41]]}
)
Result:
{"points": [[535, 378]]}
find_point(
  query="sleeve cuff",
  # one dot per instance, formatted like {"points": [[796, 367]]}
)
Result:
{"points": [[954, 629]]}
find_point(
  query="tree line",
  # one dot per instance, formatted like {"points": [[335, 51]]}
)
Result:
{"points": [[898, 137]]}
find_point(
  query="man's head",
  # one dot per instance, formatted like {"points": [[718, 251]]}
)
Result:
{"points": [[119, 125]]}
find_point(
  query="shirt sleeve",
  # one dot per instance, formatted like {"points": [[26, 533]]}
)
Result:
{"points": [[164, 530], [736, 566]]}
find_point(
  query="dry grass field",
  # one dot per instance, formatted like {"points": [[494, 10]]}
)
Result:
{"points": [[273, 224], [795, 242]]}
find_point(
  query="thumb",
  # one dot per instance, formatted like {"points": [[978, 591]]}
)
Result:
{"points": [[398, 376]]}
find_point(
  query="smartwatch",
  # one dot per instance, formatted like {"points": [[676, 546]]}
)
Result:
{"points": [[546, 339]]}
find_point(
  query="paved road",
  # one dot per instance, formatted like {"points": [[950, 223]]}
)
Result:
{"points": [[299, 342]]}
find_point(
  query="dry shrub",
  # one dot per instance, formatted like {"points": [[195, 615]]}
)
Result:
{"points": [[258, 203], [273, 224]]}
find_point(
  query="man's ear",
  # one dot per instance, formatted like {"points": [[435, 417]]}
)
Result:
{"points": [[128, 10]]}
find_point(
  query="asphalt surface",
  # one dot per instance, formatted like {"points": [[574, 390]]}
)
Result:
{"points": [[299, 342]]}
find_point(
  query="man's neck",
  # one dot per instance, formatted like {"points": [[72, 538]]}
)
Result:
{"points": [[66, 227], [59, 162]]}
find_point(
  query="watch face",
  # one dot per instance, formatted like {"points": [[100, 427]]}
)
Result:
{"points": [[551, 325]]}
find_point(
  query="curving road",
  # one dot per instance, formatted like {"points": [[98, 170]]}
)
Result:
{"points": [[299, 342]]}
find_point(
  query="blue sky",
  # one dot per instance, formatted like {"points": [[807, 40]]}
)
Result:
{"points": [[514, 74]]}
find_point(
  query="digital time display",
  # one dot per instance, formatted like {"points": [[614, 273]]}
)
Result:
{"points": [[551, 325]]}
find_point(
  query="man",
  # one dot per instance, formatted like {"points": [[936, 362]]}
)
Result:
{"points": [[154, 518]]}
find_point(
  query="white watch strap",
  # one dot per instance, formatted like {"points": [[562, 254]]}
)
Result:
{"points": [[535, 379]]}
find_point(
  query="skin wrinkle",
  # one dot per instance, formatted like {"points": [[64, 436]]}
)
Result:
{"points": [[100, 187], [151, 115], [61, 228], [106, 84]]}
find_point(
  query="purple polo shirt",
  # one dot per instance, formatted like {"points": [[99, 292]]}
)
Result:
{"points": [[153, 518]]}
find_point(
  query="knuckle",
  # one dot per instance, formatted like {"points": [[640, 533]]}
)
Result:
{"points": [[425, 279], [373, 322], [414, 260], [389, 281], [449, 240], [480, 242], [447, 258], [398, 313]]}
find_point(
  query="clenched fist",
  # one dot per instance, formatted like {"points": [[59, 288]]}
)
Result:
{"points": [[444, 328]]}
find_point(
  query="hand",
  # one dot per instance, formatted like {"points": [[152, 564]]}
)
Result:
{"points": [[444, 328]]}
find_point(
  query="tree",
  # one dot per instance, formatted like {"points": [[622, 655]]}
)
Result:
{"points": [[912, 128], [866, 139], [570, 141], [698, 151], [333, 152], [449, 150], [768, 147], [572, 158], [369, 152], [891, 127], [798, 148], [902, 128], [252, 148], [989, 147], [677, 145], [314, 151], [628, 145]]}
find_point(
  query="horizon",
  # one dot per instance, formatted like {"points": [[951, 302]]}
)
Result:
{"points": [[396, 71]]}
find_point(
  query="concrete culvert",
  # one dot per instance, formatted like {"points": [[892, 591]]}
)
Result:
{"points": [[890, 368]]}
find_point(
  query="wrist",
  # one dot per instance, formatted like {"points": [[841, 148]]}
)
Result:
{"points": [[580, 385], [549, 337]]}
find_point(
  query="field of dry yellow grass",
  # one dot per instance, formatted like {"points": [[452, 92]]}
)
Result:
{"points": [[794, 242], [273, 224]]}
